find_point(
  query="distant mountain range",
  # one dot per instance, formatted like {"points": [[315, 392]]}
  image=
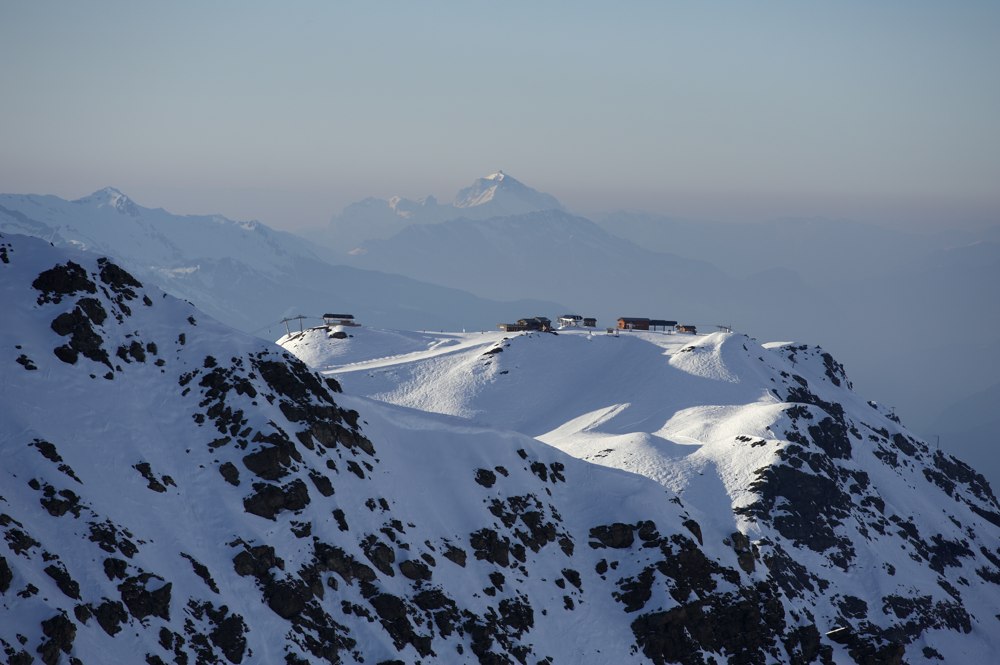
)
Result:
{"points": [[496, 195], [245, 273]]}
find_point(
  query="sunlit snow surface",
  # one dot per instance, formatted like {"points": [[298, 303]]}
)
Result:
{"points": [[701, 415]]}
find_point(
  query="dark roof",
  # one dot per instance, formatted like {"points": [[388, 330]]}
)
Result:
{"points": [[661, 322], [633, 319], [338, 316], [575, 317]]}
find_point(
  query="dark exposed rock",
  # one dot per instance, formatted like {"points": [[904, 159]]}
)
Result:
{"points": [[615, 536], [804, 646], [636, 591], [270, 462], [120, 281], [455, 555], [83, 339], [110, 538], [490, 546], [60, 503], [380, 554], [947, 553], [287, 598], [6, 576], [322, 483], [142, 601], [744, 553], [695, 529], [415, 570], [485, 477], [201, 571], [816, 505], [961, 473], [26, 362], [516, 615], [393, 615], [745, 625], [791, 576], [230, 473], [853, 607], [336, 560], [66, 584], [18, 540], [269, 500], [152, 481], [61, 632], [110, 615], [831, 436], [257, 561], [115, 568], [62, 280], [49, 452]]}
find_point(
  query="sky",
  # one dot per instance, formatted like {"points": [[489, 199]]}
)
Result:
{"points": [[286, 112]]}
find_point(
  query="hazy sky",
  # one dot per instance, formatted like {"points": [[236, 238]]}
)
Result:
{"points": [[286, 112]]}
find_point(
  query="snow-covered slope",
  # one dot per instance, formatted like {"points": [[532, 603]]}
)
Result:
{"points": [[243, 273], [861, 524], [496, 195]]}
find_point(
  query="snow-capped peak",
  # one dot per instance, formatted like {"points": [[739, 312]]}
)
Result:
{"points": [[110, 197], [506, 193]]}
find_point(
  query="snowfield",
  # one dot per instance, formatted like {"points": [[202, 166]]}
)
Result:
{"points": [[704, 416]]}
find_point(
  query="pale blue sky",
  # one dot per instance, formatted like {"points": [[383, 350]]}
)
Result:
{"points": [[287, 112]]}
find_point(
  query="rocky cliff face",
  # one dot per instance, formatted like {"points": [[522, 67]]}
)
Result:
{"points": [[174, 492]]}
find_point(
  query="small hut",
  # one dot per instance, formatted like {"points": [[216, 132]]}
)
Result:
{"points": [[339, 320], [539, 323]]}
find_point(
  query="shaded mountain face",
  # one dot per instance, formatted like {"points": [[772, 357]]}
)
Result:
{"points": [[557, 256], [244, 273], [496, 195], [860, 524]]}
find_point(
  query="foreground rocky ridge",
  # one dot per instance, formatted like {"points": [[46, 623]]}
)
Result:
{"points": [[176, 492]]}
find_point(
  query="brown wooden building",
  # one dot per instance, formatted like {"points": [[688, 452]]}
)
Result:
{"points": [[632, 323]]}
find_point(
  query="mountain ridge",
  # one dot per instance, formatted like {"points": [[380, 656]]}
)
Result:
{"points": [[495, 195], [243, 272], [200, 496]]}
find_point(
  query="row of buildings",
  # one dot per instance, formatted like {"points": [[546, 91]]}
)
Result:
{"points": [[544, 324], [640, 323]]}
